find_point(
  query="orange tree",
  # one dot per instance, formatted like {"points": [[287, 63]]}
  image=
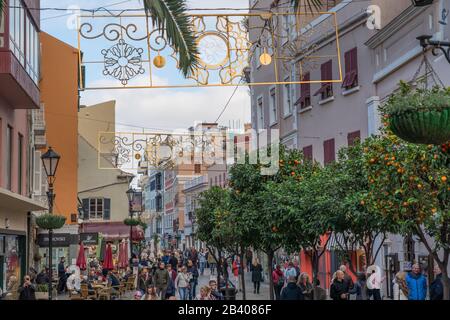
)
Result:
{"points": [[215, 225], [352, 216], [408, 183]]}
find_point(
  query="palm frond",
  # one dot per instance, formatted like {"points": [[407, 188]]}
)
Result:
{"points": [[170, 16], [310, 6]]}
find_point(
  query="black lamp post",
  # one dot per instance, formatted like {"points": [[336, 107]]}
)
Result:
{"points": [[131, 193], [50, 161]]}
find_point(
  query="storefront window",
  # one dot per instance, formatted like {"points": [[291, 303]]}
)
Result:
{"points": [[57, 254], [11, 263]]}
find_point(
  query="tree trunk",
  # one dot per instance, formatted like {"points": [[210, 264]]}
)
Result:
{"points": [[219, 268], [445, 284], [270, 255], [241, 256], [315, 265]]}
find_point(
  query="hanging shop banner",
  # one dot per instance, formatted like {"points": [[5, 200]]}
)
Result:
{"points": [[59, 240], [89, 239]]}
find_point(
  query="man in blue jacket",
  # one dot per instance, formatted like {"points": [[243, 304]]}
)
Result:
{"points": [[417, 284]]}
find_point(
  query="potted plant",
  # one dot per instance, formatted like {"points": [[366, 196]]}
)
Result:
{"points": [[41, 292], [50, 221], [131, 222], [419, 115]]}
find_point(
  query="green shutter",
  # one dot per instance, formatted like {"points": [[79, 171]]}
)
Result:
{"points": [[106, 209]]}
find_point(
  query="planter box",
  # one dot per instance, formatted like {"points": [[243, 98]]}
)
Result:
{"points": [[41, 295]]}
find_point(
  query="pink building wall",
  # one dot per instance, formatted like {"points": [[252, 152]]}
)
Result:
{"points": [[17, 119]]}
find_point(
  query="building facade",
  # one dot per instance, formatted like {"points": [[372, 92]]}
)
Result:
{"points": [[19, 94], [378, 48]]}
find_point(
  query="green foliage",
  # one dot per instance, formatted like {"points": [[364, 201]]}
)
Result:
{"points": [[171, 17], [41, 288], [50, 221], [132, 222], [409, 183], [408, 100]]}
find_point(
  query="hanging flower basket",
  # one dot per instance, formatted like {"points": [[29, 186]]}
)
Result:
{"points": [[420, 116], [50, 221], [131, 222], [143, 224]]}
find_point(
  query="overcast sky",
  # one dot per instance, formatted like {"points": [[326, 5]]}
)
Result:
{"points": [[154, 108]]}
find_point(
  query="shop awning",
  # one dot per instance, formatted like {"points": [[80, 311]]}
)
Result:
{"points": [[18, 203], [113, 230]]}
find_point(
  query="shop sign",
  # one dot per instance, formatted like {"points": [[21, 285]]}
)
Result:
{"points": [[59, 240], [89, 239]]}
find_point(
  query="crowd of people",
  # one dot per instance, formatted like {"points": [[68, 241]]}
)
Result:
{"points": [[291, 284], [174, 275]]}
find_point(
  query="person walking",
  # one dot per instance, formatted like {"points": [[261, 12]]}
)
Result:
{"points": [[400, 288], [305, 285], [61, 275], [173, 261], [417, 284], [257, 275], [211, 263], [278, 281], [339, 288], [360, 287], [42, 277], [249, 259], [374, 285], [161, 280], [291, 291], [205, 294], [319, 293], [236, 266], [347, 278], [182, 283], [437, 287], [145, 280], [214, 291], [202, 261], [290, 271], [151, 294], [193, 282], [27, 290]]}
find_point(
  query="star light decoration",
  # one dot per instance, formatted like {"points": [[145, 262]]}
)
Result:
{"points": [[123, 61]]}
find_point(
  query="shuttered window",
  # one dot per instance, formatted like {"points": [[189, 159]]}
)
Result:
{"points": [[329, 151], [352, 137], [308, 152], [305, 92], [326, 89], [351, 69]]}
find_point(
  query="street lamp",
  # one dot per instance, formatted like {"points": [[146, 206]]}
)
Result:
{"points": [[131, 193], [50, 161]]}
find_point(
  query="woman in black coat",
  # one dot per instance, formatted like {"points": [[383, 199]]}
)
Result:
{"points": [[257, 275]]}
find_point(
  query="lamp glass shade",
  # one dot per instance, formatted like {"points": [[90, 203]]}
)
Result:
{"points": [[130, 195], [50, 161]]}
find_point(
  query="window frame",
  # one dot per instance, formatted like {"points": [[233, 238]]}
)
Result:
{"points": [[273, 105], [96, 206]]}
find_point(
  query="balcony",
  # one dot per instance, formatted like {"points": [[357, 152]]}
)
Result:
{"points": [[196, 183], [16, 86], [38, 121], [40, 141]]}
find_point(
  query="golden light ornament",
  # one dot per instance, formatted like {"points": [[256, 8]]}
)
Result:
{"points": [[159, 61], [266, 15], [265, 58]]}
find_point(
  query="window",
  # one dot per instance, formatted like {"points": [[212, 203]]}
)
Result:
{"points": [[225, 178], [9, 148], [220, 180], [287, 102], [273, 106], [305, 92], [352, 137], [197, 168], [329, 151], [260, 114], [210, 182], [351, 69], [215, 180], [2, 29], [20, 164], [308, 152], [24, 39], [326, 90], [97, 208]]}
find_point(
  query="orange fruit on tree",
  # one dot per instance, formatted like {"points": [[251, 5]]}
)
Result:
{"points": [[444, 178]]}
